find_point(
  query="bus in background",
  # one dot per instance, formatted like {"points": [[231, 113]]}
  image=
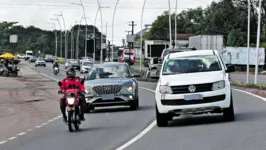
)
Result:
{"points": [[129, 56], [28, 54]]}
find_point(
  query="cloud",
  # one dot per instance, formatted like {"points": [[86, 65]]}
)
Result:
{"points": [[39, 13]]}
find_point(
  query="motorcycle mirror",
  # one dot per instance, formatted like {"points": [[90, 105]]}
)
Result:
{"points": [[59, 83]]}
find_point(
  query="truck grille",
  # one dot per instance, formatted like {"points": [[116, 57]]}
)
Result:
{"points": [[178, 102], [107, 89], [184, 88]]}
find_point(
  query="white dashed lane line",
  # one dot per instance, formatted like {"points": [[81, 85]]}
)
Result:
{"points": [[22, 133]]}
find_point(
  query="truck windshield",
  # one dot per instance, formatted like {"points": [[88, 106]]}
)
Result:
{"points": [[191, 64], [128, 55]]}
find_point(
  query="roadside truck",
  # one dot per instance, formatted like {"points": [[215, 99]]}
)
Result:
{"points": [[207, 42]]}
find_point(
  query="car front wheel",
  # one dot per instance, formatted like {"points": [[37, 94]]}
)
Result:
{"points": [[161, 119], [228, 113], [135, 104]]}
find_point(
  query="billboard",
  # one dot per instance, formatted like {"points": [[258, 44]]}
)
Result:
{"points": [[238, 55], [13, 39]]}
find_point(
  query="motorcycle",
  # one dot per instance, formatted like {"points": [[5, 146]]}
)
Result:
{"points": [[56, 70], [73, 107]]}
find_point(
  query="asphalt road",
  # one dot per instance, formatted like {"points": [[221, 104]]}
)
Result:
{"points": [[104, 129], [107, 129]]}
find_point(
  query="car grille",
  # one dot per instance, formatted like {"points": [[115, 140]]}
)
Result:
{"points": [[192, 102], [184, 88], [107, 89]]}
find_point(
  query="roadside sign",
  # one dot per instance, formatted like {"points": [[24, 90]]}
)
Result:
{"points": [[13, 39]]}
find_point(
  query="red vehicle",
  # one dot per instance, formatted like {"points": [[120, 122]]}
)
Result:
{"points": [[129, 56]]}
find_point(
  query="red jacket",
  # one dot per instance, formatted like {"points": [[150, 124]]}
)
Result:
{"points": [[76, 81]]}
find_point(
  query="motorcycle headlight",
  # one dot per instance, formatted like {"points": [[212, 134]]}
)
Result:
{"points": [[70, 100], [165, 89], [218, 85]]}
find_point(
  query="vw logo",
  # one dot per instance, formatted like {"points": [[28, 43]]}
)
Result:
{"points": [[192, 89]]}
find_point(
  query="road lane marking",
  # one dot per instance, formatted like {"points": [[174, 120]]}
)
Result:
{"points": [[257, 96], [49, 77], [138, 136], [142, 133], [2, 142], [12, 138], [22, 133], [29, 130]]}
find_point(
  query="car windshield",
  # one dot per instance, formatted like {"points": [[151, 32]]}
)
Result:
{"points": [[87, 64], [191, 64], [40, 59], [103, 72], [73, 61], [128, 56]]}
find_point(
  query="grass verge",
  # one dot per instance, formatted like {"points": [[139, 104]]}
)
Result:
{"points": [[252, 86]]}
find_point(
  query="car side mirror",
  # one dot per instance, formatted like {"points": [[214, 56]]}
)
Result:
{"points": [[60, 83], [136, 75], [230, 68]]}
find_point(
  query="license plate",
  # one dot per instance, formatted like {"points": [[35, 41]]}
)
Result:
{"points": [[70, 108], [193, 97], [108, 97]]}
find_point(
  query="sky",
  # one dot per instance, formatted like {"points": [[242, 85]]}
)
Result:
{"points": [[40, 12]]}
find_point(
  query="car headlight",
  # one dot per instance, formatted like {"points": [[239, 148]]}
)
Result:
{"points": [[218, 85], [89, 90], [165, 89], [71, 100], [128, 89]]}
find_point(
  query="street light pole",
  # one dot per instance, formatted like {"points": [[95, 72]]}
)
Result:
{"points": [[141, 34], [258, 43], [86, 28], [248, 41], [99, 5], [56, 47], [77, 42], [61, 40], [113, 29], [61, 15], [170, 26], [94, 35], [176, 23]]}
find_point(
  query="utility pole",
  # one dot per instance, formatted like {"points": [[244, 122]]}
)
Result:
{"points": [[109, 50], [132, 25]]}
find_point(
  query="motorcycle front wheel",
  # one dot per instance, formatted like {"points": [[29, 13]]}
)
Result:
{"points": [[70, 121]]}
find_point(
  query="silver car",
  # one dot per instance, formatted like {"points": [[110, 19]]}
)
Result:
{"points": [[86, 66]]}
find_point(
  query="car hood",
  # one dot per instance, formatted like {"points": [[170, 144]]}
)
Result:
{"points": [[110, 81], [192, 78], [86, 66]]}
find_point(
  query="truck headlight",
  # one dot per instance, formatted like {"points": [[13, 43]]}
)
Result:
{"points": [[165, 89], [218, 85]]}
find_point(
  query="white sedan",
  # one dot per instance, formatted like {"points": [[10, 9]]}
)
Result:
{"points": [[40, 62]]}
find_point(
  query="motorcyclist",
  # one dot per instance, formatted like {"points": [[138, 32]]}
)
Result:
{"points": [[69, 80], [56, 65]]}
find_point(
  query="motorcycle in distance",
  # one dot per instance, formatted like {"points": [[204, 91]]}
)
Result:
{"points": [[56, 70], [72, 107]]}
